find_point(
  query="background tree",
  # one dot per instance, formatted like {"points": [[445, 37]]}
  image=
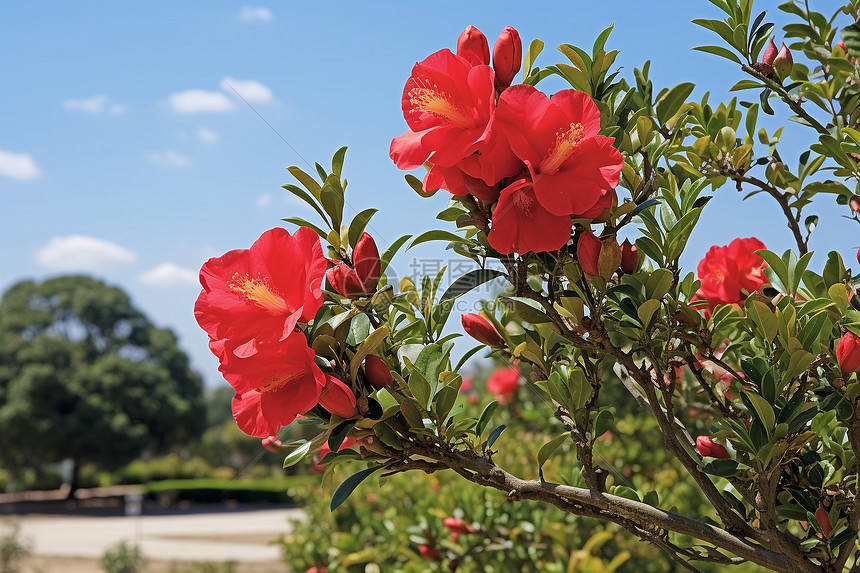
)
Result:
{"points": [[86, 376]]}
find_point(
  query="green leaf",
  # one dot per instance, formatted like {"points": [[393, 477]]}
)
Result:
{"points": [[369, 345], [359, 222], [468, 281], [302, 223], [535, 48], [673, 100], [466, 356], [602, 423], [721, 468], [494, 435], [486, 416], [420, 388], [298, 454], [389, 253], [549, 449], [438, 235], [305, 196], [646, 311], [337, 161], [309, 182], [359, 328], [851, 38], [338, 435], [349, 484], [763, 410], [720, 51], [418, 187]]}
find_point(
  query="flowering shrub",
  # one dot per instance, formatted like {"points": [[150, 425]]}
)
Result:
{"points": [[755, 353]]}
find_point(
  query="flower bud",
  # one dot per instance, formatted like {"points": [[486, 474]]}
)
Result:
{"points": [[429, 552], [823, 519], [365, 261], [344, 280], [338, 398], [272, 444], [709, 448], [472, 45], [588, 253], [854, 203], [769, 54], [457, 525], [482, 330], [783, 63], [848, 352], [377, 372], [629, 257], [507, 57]]}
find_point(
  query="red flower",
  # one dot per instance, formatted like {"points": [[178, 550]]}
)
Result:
{"points": [[728, 270], [507, 57], [447, 103], [260, 294], [709, 448], [588, 249], [363, 277], [429, 552], [848, 352], [571, 165], [481, 330], [629, 257], [274, 383], [317, 570], [472, 45], [522, 224], [377, 372], [504, 383], [457, 525], [458, 182]]}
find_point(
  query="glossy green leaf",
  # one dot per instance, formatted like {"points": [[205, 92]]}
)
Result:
{"points": [[468, 281], [349, 484]]}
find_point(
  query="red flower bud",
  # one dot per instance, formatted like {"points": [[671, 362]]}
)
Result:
{"points": [[362, 278], [769, 54], [482, 330], [629, 257], [337, 398], [472, 45], [272, 444], [848, 352], [507, 57], [429, 552], [365, 261], [854, 203], [823, 519], [709, 448], [457, 525], [783, 63], [377, 372], [588, 253]]}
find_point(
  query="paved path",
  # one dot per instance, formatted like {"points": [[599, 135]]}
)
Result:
{"points": [[241, 536]]}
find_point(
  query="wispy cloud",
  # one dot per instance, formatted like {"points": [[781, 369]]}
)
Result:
{"points": [[18, 166], [254, 14], [251, 91], [96, 104], [264, 200], [169, 158], [82, 253], [168, 274], [199, 101], [206, 135]]}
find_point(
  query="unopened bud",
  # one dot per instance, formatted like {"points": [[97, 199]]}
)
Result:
{"points": [[783, 63], [472, 45], [507, 57]]}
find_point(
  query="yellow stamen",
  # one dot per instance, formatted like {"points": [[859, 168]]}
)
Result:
{"points": [[257, 290], [427, 97], [566, 142], [278, 382]]}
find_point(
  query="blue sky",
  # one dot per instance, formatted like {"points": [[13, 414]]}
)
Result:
{"points": [[125, 155]]}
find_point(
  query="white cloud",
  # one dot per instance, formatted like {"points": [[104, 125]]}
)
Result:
{"points": [[207, 135], [169, 158], [18, 166], [168, 274], [251, 91], [199, 101], [96, 104], [255, 14], [81, 253], [264, 200]]}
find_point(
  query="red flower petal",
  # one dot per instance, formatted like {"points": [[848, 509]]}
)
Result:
{"points": [[521, 224]]}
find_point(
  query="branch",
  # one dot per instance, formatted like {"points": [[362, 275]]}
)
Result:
{"points": [[777, 88]]}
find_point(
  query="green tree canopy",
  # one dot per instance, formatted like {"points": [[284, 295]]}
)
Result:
{"points": [[84, 375]]}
